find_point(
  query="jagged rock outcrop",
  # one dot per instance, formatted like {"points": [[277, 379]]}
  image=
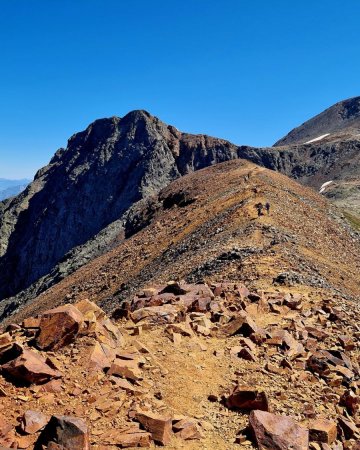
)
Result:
{"points": [[103, 171]]}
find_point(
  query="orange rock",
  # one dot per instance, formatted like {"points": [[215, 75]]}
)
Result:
{"points": [[187, 429], [125, 368], [159, 427], [322, 430], [7, 437], [99, 359], [5, 339], [128, 437], [25, 442], [247, 397], [273, 432], [30, 368], [31, 322], [59, 327]]}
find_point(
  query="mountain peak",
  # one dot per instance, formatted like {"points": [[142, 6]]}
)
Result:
{"points": [[340, 120]]}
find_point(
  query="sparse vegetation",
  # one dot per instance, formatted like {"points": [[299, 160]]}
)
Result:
{"points": [[353, 220]]}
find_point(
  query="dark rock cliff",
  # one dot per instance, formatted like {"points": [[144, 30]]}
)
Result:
{"points": [[90, 184]]}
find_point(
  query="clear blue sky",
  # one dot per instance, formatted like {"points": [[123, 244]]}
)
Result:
{"points": [[247, 71]]}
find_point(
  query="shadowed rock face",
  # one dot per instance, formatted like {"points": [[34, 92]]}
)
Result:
{"points": [[90, 184], [342, 118]]}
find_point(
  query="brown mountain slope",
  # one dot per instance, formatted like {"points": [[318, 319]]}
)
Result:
{"points": [[204, 226], [341, 119]]}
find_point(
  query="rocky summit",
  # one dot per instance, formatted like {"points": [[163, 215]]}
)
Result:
{"points": [[162, 289]]}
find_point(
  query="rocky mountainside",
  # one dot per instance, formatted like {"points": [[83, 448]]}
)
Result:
{"points": [[104, 170], [85, 201], [205, 227], [324, 153], [262, 352], [330, 167], [188, 317], [340, 120]]}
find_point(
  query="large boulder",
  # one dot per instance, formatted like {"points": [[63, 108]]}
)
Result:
{"points": [[273, 432], [65, 433], [30, 368], [59, 327]]}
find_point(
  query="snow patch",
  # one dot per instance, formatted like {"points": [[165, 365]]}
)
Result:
{"points": [[324, 185], [318, 138]]}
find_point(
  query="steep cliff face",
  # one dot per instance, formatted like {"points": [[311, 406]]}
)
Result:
{"points": [[90, 184]]}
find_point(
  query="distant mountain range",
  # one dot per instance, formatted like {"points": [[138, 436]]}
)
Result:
{"points": [[9, 188]]}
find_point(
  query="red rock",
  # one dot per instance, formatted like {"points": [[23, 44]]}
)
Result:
{"points": [[247, 397], [4, 427], [128, 387], [246, 354], [186, 429], [317, 363], [273, 432], [59, 327], [242, 324], [347, 342], [317, 333], [158, 314], [322, 430], [350, 401], [126, 437], [52, 386], [293, 301], [65, 433], [30, 367], [272, 368], [99, 359], [33, 421], [136, 439], [126, 368], [7, 435], [348, 427], [159, 427]]}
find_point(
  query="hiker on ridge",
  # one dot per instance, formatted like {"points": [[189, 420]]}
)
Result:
{"points": [[259, 207]]}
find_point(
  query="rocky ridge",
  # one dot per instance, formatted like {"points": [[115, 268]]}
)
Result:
{"points": [[86, 201], [340, 120], [205, 227]]}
